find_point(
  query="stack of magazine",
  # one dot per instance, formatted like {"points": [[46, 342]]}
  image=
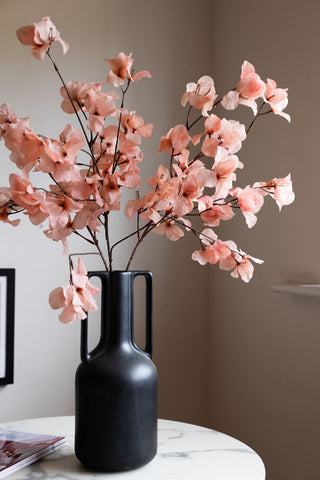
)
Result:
{"points": [[19, 449]]}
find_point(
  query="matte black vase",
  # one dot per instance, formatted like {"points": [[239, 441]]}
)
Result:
{"points": [[116, 383]]}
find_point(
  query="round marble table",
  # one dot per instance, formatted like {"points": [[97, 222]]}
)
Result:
{"points": [[185, 452]]}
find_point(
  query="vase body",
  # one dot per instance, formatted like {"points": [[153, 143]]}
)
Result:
{"points": [[116, 383]]}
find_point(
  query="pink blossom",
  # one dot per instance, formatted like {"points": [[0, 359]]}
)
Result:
{"points": [[206, 255], [176, 140], [8, 117], [232, 134], [160, 178], [283, 193], [26, 146], [99, 105], [224, 167], [128, 173], [172, 231], [250, 201], [22, 191], [119, 69], [84, 288], [109, 135], [211, 212], [75, 299], [279, 188], [78, 92], [200, 95], [231, 258], [59, 208], [24, 195], [40, 37], [59, 156], [230, 100], [134, 127], [244, 268], [250, 86], [147, 206], [111, 192], [88, 216], [277, 98], [66, 298], [7, 207], [210, 144], [211, 252], [189, 191]]}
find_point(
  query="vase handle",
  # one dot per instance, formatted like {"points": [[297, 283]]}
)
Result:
{"points": [[84, 353], [148, 276]]}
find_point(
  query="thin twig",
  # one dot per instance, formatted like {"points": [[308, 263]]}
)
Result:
{"points": [[96, 243], [82, 236], [255, 118], [106, 229], [69, 96]]}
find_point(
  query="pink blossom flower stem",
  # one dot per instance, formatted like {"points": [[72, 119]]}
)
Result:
{"points": [[136, 246], [56, 182], [95, 138], [171, 163], [199, 155], [198, 213], [83, 164], [85, 151], [150, 226], [15, 211], [258, 115], [194, 122], [96, 243], [106, 230], [195, 231], [131, 235], [187, 120], [265, 113], [138, 216], [74, 108], [116, 160], [219, 101], [80, 107], [69, 96], [82, 236]]}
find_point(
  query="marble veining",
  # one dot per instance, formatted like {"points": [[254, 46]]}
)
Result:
{"points": [[185, 451]]}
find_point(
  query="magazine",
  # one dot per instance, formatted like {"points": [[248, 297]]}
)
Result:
{"points": [[19, 449]]}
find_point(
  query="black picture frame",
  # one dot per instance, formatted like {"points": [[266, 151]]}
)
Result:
{"points": [[7, 289]]}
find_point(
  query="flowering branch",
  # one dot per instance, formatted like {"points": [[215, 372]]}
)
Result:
{"points": [[82, 195]]}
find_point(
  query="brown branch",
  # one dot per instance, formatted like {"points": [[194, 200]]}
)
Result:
{"points": [[96, 243]]}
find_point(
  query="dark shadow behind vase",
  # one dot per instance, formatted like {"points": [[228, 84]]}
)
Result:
{"points": [[116, 383]]}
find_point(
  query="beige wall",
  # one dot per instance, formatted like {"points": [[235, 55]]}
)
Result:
{"points": [[162, 37], [265, 386]]}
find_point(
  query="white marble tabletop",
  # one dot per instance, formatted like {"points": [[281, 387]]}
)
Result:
{"points": [[185, 452]]}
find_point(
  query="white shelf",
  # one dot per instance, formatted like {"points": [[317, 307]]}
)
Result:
{"points": [[308, 290]]}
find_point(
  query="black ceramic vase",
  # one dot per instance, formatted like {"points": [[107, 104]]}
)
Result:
{"points": [[116, 383]]}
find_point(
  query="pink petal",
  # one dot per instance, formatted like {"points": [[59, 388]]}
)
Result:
{"points": [[57, 298], [210, 147], [230, 101], [26, 35], [142, 74], [81, 269], [40, 52]]}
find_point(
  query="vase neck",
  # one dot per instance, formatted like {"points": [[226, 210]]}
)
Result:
{"points": [[117, 322]]}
